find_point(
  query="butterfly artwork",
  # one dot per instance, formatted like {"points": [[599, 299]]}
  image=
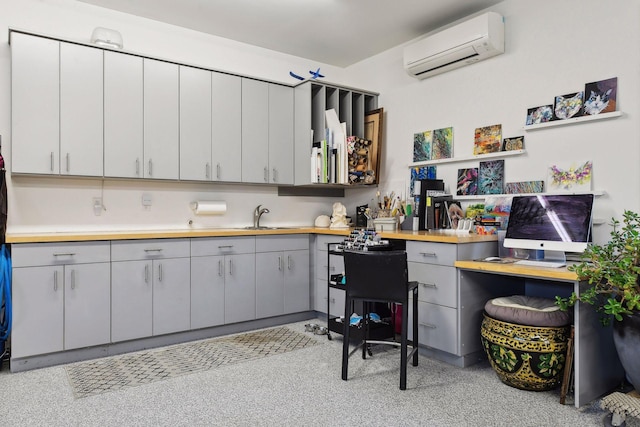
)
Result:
{"points": [[600, 97], [568, 106], [570, 177]]}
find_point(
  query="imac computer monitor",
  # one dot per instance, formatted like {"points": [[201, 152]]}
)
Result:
{"points": [[555, 223]]}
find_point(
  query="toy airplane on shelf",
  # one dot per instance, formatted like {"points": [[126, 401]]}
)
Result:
{"points": [[314, 75]]}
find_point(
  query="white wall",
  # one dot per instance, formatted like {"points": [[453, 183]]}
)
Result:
{"points": [[552, 48], [43, 204]]}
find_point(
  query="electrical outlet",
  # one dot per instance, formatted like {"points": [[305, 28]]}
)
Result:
{"points": [[146, 200], [97, 206]]}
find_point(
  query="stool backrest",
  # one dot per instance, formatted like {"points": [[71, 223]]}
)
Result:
{"points": [[376, 275]]}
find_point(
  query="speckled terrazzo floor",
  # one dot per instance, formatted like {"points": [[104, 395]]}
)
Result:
{"points": [[294, 388]]}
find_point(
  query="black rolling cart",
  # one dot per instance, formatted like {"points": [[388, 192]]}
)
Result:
{"points": [[335, 283]]}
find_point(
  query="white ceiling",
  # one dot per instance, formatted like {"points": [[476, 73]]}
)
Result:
{"points": [[336, 32]]}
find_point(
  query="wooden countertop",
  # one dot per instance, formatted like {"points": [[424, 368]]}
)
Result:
{"points": [[68, 236], [518, 270]]}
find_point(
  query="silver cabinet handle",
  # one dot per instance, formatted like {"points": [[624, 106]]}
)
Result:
{"points": [[150, 167], [429, 254], [160, 272], [289, 263], [266, 174], [225, 246], [207, 171], [280, 263], [64, 254], [52, 161], [428, 325], [332, 300], [73, 279], [220, 268], [146, 273], [275, 175], [153, 250], [330, 267], [429, 285], [137, 167], [68, 163], [218, 171], [55, 281], [230, 268]]}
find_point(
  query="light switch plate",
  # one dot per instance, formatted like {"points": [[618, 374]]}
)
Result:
{"points": [[146, 199]]}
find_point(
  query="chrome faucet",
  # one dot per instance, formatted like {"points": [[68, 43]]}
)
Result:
{"points": [[257, 214]]}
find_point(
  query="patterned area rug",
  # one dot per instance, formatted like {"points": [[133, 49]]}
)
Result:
{"points": [[133, 369]]}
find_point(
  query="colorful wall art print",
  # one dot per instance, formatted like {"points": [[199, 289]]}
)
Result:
{"points": [[467, 182], [488, 139], [540, 114], [422, 146], [491, 177], [600, 97], [524, 187], [568, 106], [421, 172], [571, 177], [514, 143], [442, 144]]}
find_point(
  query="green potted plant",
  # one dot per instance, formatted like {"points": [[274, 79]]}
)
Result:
{"points": [[612, 271]]}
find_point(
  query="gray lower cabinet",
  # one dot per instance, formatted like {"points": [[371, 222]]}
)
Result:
{"points": [[150, 288], [60, 297], [282, 272], [223, 280], [440, 302], [324, 266]]}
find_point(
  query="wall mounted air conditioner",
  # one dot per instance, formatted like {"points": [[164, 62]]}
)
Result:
{"points": [[471, 41]]}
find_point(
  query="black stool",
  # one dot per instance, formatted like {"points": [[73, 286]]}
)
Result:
{"points": [[380, 276]]}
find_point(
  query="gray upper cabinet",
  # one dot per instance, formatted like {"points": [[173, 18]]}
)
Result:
{"points": [[195, 124], [123, 128], [281, 134], [81, 110], [255, 131], [267, 132], [161, 143], [226, 127], [35, 102]]}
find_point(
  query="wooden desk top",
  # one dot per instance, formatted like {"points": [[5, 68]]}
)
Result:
{"points": [[512, 269], [80, 236]]}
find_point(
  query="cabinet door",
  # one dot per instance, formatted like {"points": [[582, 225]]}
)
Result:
{"points": [[171, 295], [255, 131], [303, 136], [195, 124], [270, 267], [87, 302], [38, 310], [240, 288], [281, 134], [35, 103], [207, 291], [226, 118], [81, 110], [296, 281], [122, 115], [131, 300], [161, 150]]}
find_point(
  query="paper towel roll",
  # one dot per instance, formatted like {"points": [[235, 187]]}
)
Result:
{"points": [[209, 207]]}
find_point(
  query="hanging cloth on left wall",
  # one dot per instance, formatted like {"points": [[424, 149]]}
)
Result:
{"points": [[3, 205]]}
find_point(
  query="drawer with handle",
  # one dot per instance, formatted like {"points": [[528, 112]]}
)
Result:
{"points": [[437, 283], [34, 254]]}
